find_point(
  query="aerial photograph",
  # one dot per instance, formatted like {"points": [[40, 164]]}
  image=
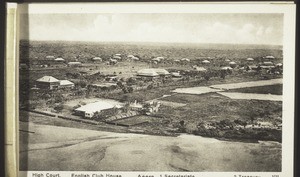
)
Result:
{"points": [[174, 92]]}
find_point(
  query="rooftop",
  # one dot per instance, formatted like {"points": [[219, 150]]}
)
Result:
{"points": [[47, 79], [98, 106]]}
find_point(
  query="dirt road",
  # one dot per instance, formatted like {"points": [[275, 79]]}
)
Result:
{"points": [[44, 147]]}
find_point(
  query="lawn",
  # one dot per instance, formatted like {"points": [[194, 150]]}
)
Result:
{"points": [[213, 106]]}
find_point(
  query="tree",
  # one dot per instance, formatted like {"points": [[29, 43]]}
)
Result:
{"points": [[181, 123], [150, 87], [126, 107], [222, 74], [59, 107], [130, 89], [207, 76]]}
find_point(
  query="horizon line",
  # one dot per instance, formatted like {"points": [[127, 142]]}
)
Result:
{"points": [[149, 42]]}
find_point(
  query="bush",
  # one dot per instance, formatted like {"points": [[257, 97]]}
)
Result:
{"points": [[59, 107]]}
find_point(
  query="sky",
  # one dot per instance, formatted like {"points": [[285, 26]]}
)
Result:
{"points": [[155, 27]]}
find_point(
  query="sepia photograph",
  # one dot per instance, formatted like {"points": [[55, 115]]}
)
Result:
{"points": [[170, 91]]}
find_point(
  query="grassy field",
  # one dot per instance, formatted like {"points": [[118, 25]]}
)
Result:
{"points": [[212, 106]]}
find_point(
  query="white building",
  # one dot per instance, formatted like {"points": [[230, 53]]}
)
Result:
{"points": [[153, 72], [90, 109], [66, 84]]}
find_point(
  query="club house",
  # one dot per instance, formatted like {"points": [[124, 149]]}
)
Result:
{"points": [[90, 109]]}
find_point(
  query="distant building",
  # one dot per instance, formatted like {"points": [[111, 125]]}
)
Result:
{"points": [[201, 69], [269, 57], [48, 82], [74, 63], [59, 59], [66, 84], [158, 59], [226, 68], [267, 65], [232, 64], [147, 73], [185, 59], [90, 109], [153, 72], [50, 57], [176, 74], [113, 61], [205, 62], [97, 59], [161, 72], [135, 58], [117, 57]]}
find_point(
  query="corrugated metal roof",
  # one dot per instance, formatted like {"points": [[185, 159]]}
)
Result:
{"points": [[153, 72], [47, 79], [147, 72], [65, 82], [59, 59], [97, 106]]}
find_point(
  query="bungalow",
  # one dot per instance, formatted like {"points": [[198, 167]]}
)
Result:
{"points": [[232, 64], [161, 72], [47, 82], [59, 59], [74, 63], [205, 62], [269, 57], [200, 69], [117, 57], [90, 109], [97, 59], [153, 72], [226, 68], [176, 74], [185, 59], [66, 84], [113, 61], [147, 73], [50, 57]]}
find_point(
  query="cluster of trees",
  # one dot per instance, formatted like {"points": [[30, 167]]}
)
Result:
{"points": [[225, 129]]}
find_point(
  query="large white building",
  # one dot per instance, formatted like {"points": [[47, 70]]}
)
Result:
{"points": [[90, 109], [153, 72]]}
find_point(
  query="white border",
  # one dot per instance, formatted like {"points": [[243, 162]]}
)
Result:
{"points": [[287, 9]]}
